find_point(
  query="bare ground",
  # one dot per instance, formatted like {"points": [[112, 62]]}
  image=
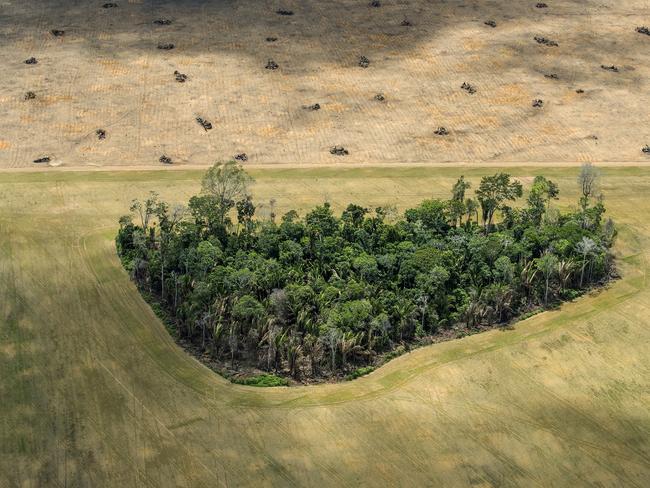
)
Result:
{"points": [[106, 72]]}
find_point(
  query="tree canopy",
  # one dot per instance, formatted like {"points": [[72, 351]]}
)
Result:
{"points": [[324, 294]]}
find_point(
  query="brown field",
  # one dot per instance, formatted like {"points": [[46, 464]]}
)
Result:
{"points": [[106, 72]]}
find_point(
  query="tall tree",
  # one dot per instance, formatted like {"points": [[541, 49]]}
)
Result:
{"points": [[586, 247], [547, 265], [146, 210], [541, 193], [459, 189], [493, 192], [225, 184], [588, 181]]}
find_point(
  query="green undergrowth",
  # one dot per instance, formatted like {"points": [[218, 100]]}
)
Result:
{"points": [[261, 380]]}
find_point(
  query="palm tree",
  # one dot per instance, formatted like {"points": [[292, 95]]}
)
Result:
{"points": [[217, 331], [502, 299], [475, 309], [586, 247], [527, 277], [294, 353], [313, 348], [304, 320], [471, 208], [564, 271], [232, 342], [406, 311], [547, 264], [280, 342], [274, 339], [348, 343], [332, 338]]}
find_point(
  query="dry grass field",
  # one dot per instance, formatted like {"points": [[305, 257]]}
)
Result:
{"points": [[106, 72], [94, 392]]}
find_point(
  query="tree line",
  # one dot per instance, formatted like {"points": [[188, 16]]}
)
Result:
{"points": [[322, 295]]}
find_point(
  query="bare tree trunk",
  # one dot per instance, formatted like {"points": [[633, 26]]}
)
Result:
{"points": [[162, 276], [546, 292], [175, 292]]}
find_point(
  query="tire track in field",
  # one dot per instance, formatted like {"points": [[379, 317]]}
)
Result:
{"points": [[241, 398], [593, 422]]}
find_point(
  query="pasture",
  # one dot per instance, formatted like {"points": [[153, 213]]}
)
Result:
{"points": [[94, 392]]}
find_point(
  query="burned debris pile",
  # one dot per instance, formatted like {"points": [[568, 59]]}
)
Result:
{"points": [[339, 151], [180, 77], [207, 125], [468, 88], [545, 41]]}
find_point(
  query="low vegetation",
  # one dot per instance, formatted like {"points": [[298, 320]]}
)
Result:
{"points": [[328, 296], [262, 380]]}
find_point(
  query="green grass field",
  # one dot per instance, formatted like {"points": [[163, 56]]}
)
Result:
{"points": [[94, 392]]}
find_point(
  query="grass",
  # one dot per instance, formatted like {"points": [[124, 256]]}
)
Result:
{"points": [[94, 391], [359, 372], [262, 380]]}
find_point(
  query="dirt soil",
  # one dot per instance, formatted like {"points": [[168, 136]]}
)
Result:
{"points": [[106, 71]]}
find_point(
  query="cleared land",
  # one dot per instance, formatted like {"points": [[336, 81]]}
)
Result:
{"points": [[106, 72], [95, 393]]}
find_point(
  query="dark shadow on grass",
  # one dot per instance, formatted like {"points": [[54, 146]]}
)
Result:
{"points": [[320, 32]]}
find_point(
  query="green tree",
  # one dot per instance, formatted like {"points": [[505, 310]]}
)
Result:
{"points": [[586, 247], [349, 286], [541, 193], [493, 192], [459, 189], [547, 265], [457, 206], [248, 312], [225, 184]]}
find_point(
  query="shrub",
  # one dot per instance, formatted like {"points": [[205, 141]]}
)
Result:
{"points": [[262, 380], [359, 372]]}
